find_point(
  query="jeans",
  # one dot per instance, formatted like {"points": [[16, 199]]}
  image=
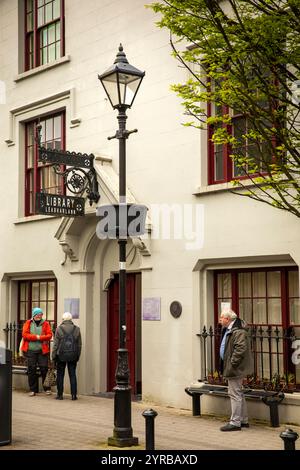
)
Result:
{"points": [[34, 359], [61, 374]]}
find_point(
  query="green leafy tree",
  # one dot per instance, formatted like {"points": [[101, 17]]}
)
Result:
{"points": [[244, 56]]}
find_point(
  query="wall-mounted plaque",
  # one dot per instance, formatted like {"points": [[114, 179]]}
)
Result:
{"points": [[176, 309], [151, 308], [72, 306]]}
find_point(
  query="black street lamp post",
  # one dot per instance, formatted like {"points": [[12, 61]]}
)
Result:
{"points": [[121, 83]]}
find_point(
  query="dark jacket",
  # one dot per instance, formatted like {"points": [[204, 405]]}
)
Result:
{"points": [[238, 361], [66, 327]]}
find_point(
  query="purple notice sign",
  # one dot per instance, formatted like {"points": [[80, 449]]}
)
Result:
{"points": [[151, 308]]}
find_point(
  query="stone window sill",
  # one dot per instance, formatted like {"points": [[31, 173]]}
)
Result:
{"points": [[42, 68], [34, 218]]}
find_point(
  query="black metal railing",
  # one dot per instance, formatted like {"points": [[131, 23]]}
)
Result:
{"points": [[272, 348], [12, 339]]}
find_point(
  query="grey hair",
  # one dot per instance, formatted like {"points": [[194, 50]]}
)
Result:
{"points": [[229, 314], [67, 316]]}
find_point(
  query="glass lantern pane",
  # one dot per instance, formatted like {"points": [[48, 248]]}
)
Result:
{"points": [[128, 87], [110, 86]]}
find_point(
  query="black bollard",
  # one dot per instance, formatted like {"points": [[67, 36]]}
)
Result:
{"points": [[289, 437], [149, 416]]}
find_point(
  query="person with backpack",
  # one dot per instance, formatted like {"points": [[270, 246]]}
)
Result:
{"points": [[66, 351]]}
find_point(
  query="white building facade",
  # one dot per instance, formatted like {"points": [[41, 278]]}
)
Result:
{"points": [[205, 245]]}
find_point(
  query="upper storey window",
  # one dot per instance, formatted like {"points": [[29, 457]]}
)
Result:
{"points": [[44, 32]]}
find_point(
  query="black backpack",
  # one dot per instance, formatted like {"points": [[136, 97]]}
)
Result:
{"points": [[68, 349]]}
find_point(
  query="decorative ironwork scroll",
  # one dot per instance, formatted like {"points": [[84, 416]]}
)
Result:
{"points": [[79, 175]]}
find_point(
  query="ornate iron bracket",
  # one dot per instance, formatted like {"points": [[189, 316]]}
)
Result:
{"points": [[81, 175]]}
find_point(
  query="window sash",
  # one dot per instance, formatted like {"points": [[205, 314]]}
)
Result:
{"points": [[44, 32], [37, 293], [262, 296], [38, 175]]}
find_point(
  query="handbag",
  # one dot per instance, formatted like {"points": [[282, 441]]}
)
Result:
{"points": [[21, 353], [50, 379]]}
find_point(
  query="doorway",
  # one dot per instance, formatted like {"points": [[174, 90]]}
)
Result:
{"points": [[133, 330]]}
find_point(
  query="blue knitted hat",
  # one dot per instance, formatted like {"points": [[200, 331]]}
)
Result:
{"points": [[36, 311]]}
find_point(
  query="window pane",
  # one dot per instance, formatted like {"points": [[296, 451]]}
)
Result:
{"points": [[224, 285], [259, 284], [57, 144], [57, 50], [48, 12], [57, 127], [44, 57], [219, 168], [57, 26], [274, 283], [23, 291], [23, 311], [259, 311], [49, 129], [56, 9], [43, 290], [50, 311], [30, 157], [51, 53], [41, 16], [29, 5], [245, 284], [41, 3], [43, 306], [51, 292], [293, 284], [274, 311], [35, 291], [29, 22], [295, 311], [51, 34], [245, 310], [44, 37]]}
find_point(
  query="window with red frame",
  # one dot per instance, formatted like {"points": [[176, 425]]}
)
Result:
{"points": [[37, 293], [268, 299], [44, 31], [39, 176], [221, 167]]}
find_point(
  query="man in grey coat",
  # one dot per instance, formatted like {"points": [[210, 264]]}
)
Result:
{"points": [[236, 362]]}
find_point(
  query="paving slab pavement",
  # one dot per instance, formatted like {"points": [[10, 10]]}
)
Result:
{"points": [[43, 423]]}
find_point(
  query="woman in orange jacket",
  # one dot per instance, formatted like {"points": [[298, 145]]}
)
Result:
{"points": [[36, 335]]}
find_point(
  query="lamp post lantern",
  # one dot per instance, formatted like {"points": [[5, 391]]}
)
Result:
{"points": [[121, 83]]}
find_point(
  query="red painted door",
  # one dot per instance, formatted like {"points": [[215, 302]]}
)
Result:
{"points": [[113, 329]]}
